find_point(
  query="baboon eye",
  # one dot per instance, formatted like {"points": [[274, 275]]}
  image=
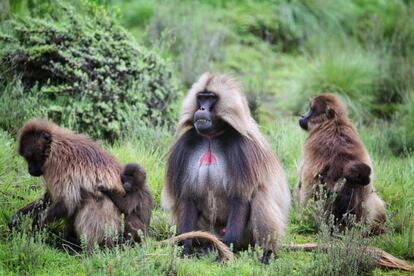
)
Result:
{"points": [[46, 137]]}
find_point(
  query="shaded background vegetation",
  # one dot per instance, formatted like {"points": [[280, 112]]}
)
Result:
{"points": [[78, 65], [118, 69]]}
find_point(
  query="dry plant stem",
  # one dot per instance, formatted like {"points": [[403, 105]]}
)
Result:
{"points": [[384, 260], [223, 250]]}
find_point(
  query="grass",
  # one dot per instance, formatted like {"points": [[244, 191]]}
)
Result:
{"points": [[28, 253], [283, 52]]}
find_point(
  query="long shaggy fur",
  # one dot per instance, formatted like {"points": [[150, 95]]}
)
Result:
{"points": [[255, 171], [334, 146], [76, 165]]}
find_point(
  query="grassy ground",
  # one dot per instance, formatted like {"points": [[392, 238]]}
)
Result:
{"points": [[283, 51], [25, 253]]}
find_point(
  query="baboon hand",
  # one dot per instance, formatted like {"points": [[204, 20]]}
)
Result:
{"points": [[358, 174], [186, 251]]}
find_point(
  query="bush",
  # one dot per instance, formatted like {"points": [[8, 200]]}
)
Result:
{"points": [[15, 95], [88, 73]]}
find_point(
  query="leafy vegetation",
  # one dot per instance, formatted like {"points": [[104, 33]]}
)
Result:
{"points": [[87, 72], [76, 64]]}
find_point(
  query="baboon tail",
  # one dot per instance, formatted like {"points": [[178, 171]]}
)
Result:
{"points": [[223, 250]]}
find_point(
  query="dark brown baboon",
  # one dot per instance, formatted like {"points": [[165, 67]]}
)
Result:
{"points": [[335, 155], [136, 204], [73, 167], [222, 176]]}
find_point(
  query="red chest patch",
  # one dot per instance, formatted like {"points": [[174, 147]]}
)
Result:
{"points": [[208, 158]]}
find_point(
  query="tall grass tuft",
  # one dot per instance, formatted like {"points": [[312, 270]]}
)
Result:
{"points": [[195, 37], [354, 73]]}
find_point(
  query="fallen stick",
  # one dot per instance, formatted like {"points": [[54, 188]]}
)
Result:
{"points": [[384, 260]]}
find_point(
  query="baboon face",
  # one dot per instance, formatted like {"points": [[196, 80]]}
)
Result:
{"points": [[319, 112], [35, 147], [133, 177], [205, 121], [128, 183]]}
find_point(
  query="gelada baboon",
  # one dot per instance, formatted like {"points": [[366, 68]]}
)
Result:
{"points": [[221, 175], [334, 155], [73, 167], [136, 204]]}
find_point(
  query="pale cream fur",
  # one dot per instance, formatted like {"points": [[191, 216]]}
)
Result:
{"points": [[270, 203]]}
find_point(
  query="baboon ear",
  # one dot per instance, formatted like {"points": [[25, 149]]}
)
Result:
{"points": [[330, 113]]}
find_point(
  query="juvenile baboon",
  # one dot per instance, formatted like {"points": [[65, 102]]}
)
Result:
{"points": [[335, 156], [136, 204], [222, 176], [73, 167]]}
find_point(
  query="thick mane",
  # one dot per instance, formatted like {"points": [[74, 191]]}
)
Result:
{"points": [[251, 198], [232, 108], [249, 165], [178, 159]]}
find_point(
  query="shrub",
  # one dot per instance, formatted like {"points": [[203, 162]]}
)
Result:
{"points": [[346, 251], [89, 74], [18, 104]]}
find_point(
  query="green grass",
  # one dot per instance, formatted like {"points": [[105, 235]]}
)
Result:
{"points": [[283, 52], [28, 253]]}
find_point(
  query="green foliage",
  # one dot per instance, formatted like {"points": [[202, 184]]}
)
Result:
{"points": [[88, 72], [283, 51], [190, 33], [354, 73], [31, 254], [14, 94], [402, 134], [136, 13]]}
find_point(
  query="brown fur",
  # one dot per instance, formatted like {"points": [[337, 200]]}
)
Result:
{"points": [[334, 153], [262, 183], [136, 204], [74, 168]]}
